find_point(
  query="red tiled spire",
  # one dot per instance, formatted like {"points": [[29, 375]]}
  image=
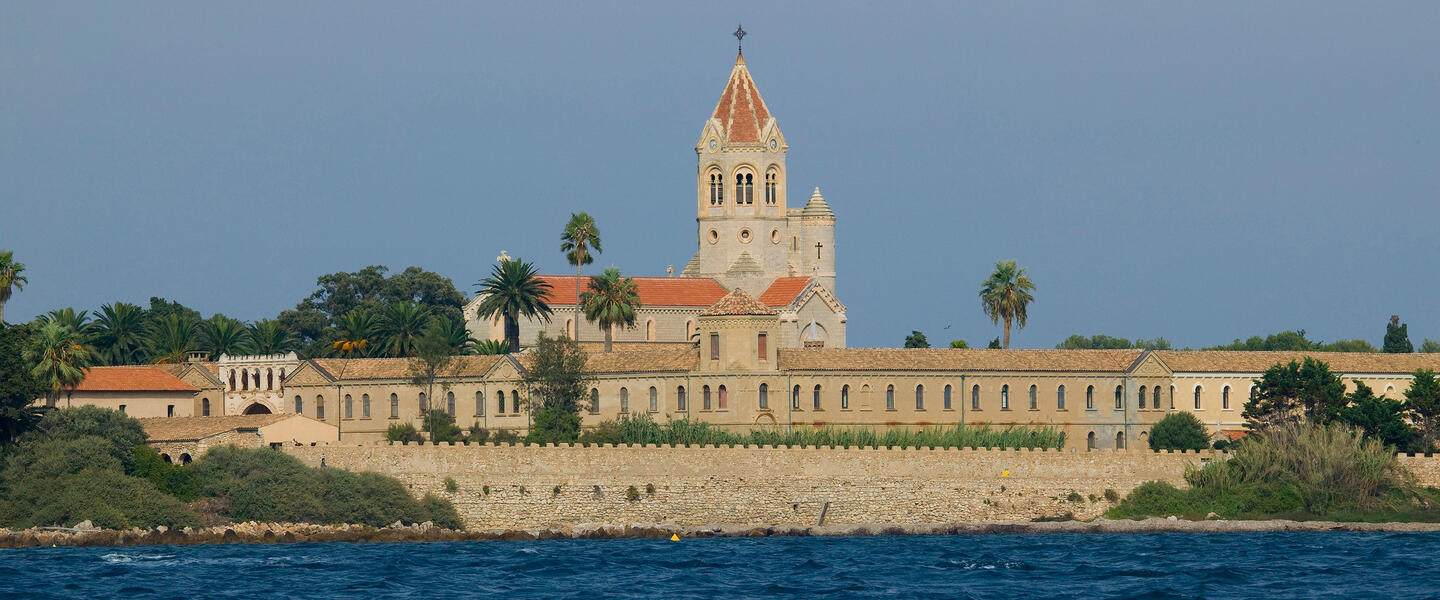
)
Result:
{"points": [[741, 111]]}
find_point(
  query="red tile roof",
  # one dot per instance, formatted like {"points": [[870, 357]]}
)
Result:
{"points": [[741, 111], [654, 291], [737, 303], [132, 379], [784, 290]]}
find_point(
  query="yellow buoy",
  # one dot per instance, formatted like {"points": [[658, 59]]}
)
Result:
{"points": [[1005, 473], [674, 537]]}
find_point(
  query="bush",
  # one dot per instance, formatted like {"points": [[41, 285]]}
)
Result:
{"points": [[505, 436], [640, 428], [106, 497], [441, 426], [451, 486], [477, 434], [1179, 431], [177, 480], [403, 432], [122, 432], [554, 425]]}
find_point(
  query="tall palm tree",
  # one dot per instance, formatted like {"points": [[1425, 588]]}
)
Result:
{"points": [[357, 328], [61, 358], [455, 334], [491, 347], [10, 278], [78, 321], [514, 290], [267, 337], [611, 301], [1006, 294], [223, 335], [171, 338], [119, 333], [579, 238], [401, 325]]}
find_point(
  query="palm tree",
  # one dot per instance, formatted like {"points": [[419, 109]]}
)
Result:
{"points": [[61, 358], [491, 347], [356, 329], [401, 324], [455, 334], [223, 335], [579, 238], [10, 278], [267, 337], [78, 321], [514, 290], [171, 338], [119, 332], [611, 301], [1006, 294]]}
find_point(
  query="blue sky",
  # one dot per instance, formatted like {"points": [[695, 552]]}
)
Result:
{"points": [[1195, 172]]}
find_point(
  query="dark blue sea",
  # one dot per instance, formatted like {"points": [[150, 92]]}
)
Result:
{"points": [[1242, 565]]}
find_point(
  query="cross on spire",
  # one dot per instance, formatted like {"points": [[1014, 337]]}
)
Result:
{"points": [[739, 39]]}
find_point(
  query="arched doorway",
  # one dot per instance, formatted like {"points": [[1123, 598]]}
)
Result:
{"points": [[257, 409]]}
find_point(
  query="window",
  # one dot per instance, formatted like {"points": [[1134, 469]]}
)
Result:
{"points": [[845, 397], [760, 345], [975, 398], [795, 398], [889, 397], [170, 410], [394, 406], [424, 402], [714, 346], [1090, 441], [1155, 397], [449, 404], [650, 330], [717, 189], [204, 407], [500, 404], [515, 401], [1119, 397], [365, 405], [744, 188], [1033, 404], [244, 380], [947, 397], [815, 397], [1120, 441], [920, 397], [654, 399], [1060, 398], [479, 403], [680, 399], [320, 407], [269, 379], [723, 397], [1142, 397], [624, 400], [299, 406], [232, 380], [349, 407], [1005, 397], [764, 396], [1089, 397], [122, 409], [1197, 397], [705, 398], [594, 401], [772, 191], [1172, 397], [1225, 398]]}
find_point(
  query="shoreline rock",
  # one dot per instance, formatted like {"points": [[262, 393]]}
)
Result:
{"points": [[273, 533]]}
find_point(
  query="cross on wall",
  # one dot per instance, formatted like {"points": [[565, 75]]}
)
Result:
{"points": [[818, 246]]}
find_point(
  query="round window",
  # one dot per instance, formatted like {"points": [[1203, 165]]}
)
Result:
{"points": [[745, 236], [713, 143], [774, 236], [773, 144], [714, 236]]}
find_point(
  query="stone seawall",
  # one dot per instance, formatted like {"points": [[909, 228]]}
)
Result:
{"points": [[532, 486]]}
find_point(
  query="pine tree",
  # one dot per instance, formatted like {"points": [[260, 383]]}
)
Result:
{"points": [[1397, 337]]}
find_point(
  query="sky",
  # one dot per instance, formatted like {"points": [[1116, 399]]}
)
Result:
{"points": [[1198, 172]]}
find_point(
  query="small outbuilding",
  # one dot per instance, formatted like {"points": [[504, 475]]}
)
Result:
{"points": [[181, 440]]}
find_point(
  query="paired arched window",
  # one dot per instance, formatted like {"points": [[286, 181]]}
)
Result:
{"points": [[204, 407], [654, 399], [816, 397], [1143, 390], [624, 400], [1225, 398], [1034, 404], [299, 406], [764, 396], [1197, 397], [394, 406], [365, 405], [594, 401], [772, 187], [975, 398], [920, 397], [449, 404], [680, 403], [705, 398], [744, 188], [1005, 397], [889, 397], [845, 397], [717, 189], [349, 407], [948, 406], [723, 398]]}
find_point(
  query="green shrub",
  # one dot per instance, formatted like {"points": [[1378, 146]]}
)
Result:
{"points": [[106, 497], [1074, 497], [1111, 495], [403, 432], [505, 436], [440, 512], [451, 486], [477, 434], [640, 428], [554, 425], [122, 432], [1179, 431], [632, 494], [441, 426], [177, 480]]}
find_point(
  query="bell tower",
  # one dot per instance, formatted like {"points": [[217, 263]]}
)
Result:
{"points": [[744, 236]]}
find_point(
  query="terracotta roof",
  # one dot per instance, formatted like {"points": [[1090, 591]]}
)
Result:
{"points": [[741, 111], [1233, 435], [642, 362], [180, 429], [783, 291], [949, 359], [737, 303], [132, 379], [654, 291], [1222, 361], [594, 346], [394, 368]]}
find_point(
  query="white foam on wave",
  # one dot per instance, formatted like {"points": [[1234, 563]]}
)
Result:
{"points": [[121, 557]]}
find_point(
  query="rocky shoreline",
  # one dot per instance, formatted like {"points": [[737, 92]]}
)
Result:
{"points": [[272, 533]]}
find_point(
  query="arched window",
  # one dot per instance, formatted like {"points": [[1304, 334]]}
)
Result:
{"points": [[1119, 397], [1142, 396], [845, 397], [449, 404], [705, 398], [1155, 397], [1034, 405], [1005, 397], [594, 401], [269, 379], [349, 407], [717, 189], [865, 396], [232, 380], [1060, 398], [624, 400], [920, 397], [680, 403], [479, 403], [889, 397], [424, 403], [1172, 397], [947, 397], [1120, 440], [723, 397], [204, 407], [299, 406], [650, 330], [654, 399], [244, 381], [815, 397], [795, 398], [744, 188], [1090, 441], [515, 401], [570, 328], [975, 398], [394, 406], [320, 407], [1089, 397], [500, 404], [764, 396], [772, 189], [1197, 397], [365, 405], [1225, 398]]}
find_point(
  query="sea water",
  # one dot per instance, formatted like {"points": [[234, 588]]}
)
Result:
{"points": [[1234, 565]]}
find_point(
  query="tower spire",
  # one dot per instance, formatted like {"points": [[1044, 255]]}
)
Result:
{"points": [[739, 40]]}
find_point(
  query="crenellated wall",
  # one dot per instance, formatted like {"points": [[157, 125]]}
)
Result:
{"points": [[533, 486]]}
